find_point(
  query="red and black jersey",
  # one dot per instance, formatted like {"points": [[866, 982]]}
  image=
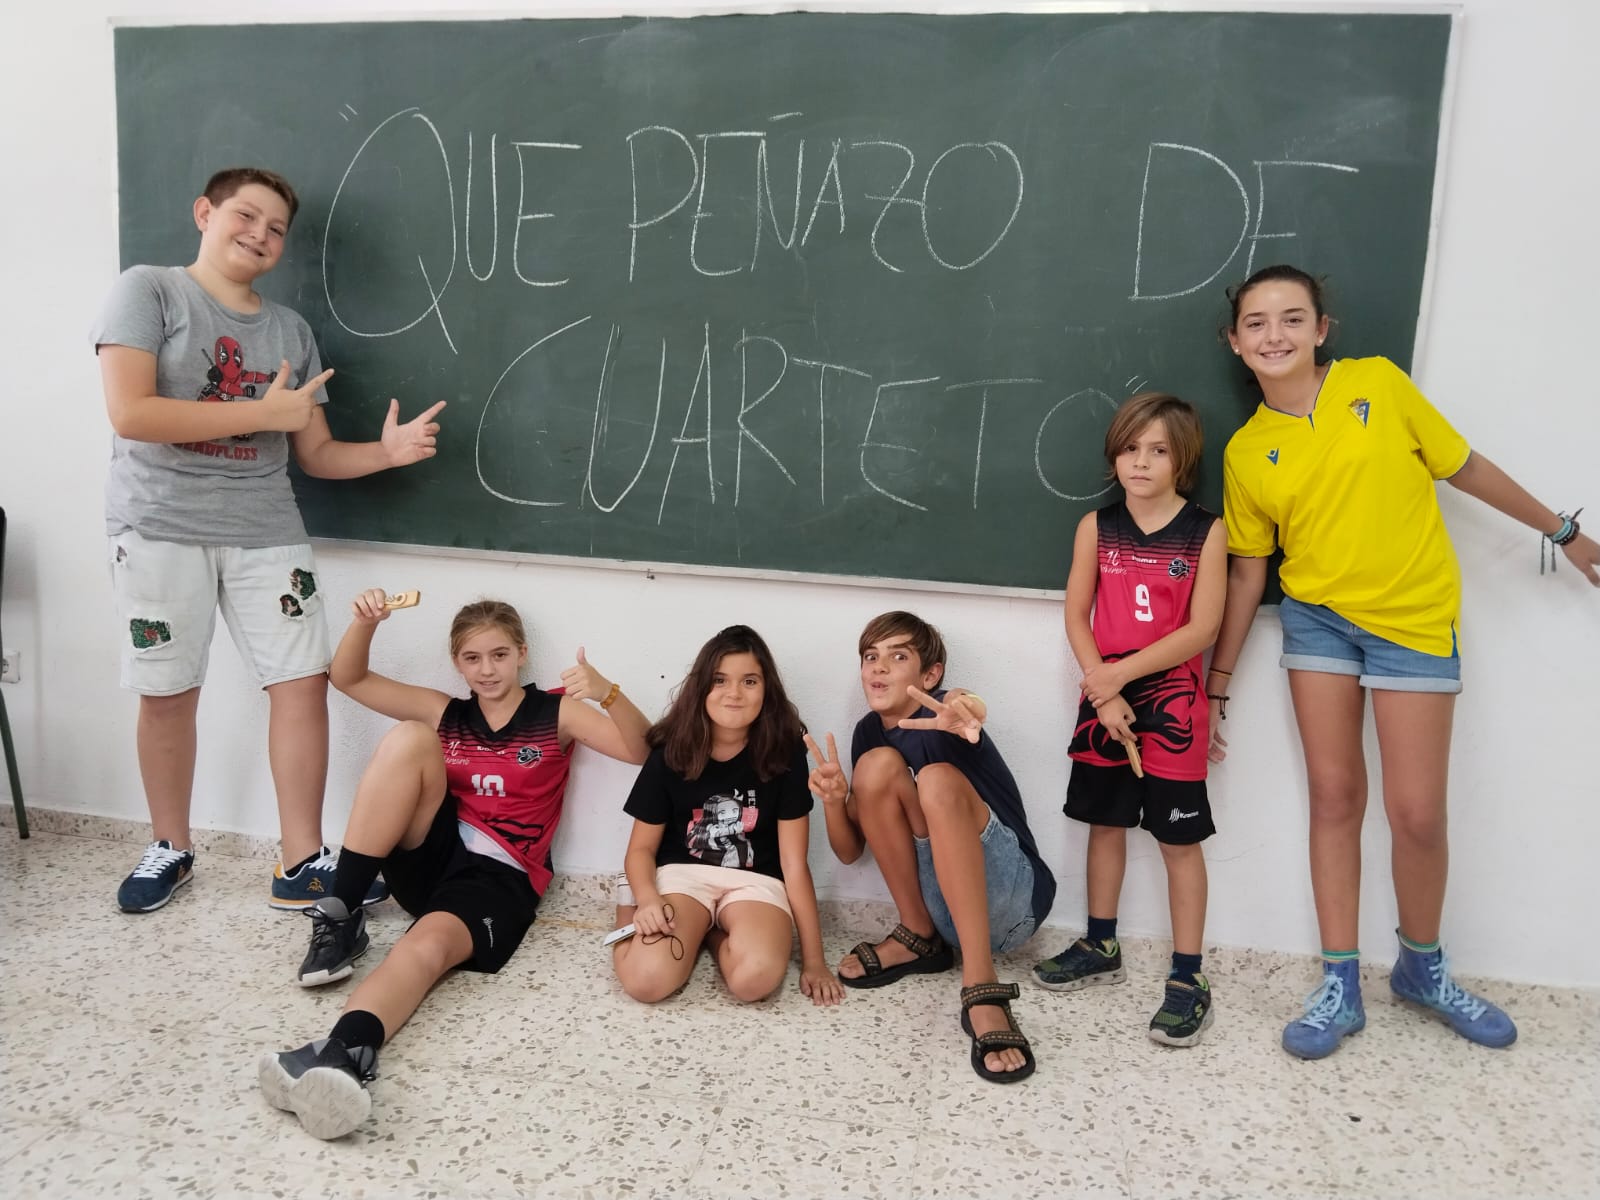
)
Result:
{"points": [[1142, 594], [509, 782]]}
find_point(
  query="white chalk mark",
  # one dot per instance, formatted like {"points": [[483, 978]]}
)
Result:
{"points": [[439, 312], [868, 444], [1038, 444], [522, 188], [683, 439], [983, 414], [633, 172], [838, 191], [602, 401], [1261, 200], [892, 199], [822, 416], [744, 430], [991, 147], [494, 209], [764, 186], [785, 116], [700, 213], [1138, 250], [327, 233], [489, 403]]}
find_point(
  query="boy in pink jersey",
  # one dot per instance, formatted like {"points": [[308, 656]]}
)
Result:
{"points": [[1150, 570]]}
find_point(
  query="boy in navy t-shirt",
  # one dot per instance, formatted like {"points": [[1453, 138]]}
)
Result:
{"points": [[942, 814]]}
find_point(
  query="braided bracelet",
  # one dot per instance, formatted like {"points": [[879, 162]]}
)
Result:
{"points": [[1561, 537], [1222, 701]]}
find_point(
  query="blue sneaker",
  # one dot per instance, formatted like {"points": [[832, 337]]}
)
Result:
{"points": [[1333, 1013], [160, 872], [1424, 979], [298, 890]]}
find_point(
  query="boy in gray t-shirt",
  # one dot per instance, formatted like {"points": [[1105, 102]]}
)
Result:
{"points": [[200, 514]]}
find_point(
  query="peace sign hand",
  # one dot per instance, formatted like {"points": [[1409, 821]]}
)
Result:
{"points": [[954, 714], [827, 777]]}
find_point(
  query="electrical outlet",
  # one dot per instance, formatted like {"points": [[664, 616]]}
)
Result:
{"points": [[11, 667]]}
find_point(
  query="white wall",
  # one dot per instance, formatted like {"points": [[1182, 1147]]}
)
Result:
{"points": [[1512, 314]]}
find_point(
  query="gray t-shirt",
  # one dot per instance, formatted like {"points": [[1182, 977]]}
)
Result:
{"points": [[227, 492]]}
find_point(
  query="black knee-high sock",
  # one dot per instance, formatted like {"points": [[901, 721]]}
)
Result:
{"points": [[354, 877]]}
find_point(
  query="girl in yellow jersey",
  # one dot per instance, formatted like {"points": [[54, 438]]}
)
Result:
{"points": [[1337, 467]]}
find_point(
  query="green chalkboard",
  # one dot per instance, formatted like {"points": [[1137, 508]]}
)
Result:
{"points": [[827, 293]]}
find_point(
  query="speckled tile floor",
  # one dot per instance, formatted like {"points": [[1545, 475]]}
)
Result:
{"points": [[128, 1048]]}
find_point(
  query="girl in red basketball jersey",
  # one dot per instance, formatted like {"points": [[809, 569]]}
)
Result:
{"points": [[458, 809], [1144, 600]]}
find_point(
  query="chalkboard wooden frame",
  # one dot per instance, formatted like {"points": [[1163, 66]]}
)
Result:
{"points": [[158, 173]]}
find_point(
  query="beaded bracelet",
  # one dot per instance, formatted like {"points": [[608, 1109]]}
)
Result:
{"points": [[1561, 537], [611, 696]]}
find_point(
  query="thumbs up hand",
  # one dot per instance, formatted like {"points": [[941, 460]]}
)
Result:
{"points": [[583, 682]]}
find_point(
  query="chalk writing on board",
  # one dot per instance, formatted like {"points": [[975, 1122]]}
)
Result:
{"points": [[1246, 233], [859, 407]]}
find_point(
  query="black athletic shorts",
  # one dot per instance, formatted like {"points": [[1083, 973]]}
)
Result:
{"points": [[1175, 811], [495, 901]]}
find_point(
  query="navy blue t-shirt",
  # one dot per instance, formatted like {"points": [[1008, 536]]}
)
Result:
{"points": [[981, 763]]}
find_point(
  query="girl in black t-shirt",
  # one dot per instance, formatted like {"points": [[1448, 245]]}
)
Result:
{"points": [[721, 825]]}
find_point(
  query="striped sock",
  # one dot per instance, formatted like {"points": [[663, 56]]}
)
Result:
{"points": [[1419, 947]]}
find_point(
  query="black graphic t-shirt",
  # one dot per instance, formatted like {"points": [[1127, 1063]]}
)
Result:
{"points": [[727, 817]]}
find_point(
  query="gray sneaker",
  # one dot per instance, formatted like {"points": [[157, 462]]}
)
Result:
{"points": [[323, 1083]]}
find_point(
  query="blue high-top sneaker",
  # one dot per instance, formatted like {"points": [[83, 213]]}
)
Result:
{"points": [[1424, 979], [1333, 1012]]}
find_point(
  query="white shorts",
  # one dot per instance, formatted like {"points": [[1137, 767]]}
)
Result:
{"points": [[167, 596]]}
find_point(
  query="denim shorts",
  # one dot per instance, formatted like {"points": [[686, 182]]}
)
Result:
{"points": [[1008, 876], [1316, 638]]}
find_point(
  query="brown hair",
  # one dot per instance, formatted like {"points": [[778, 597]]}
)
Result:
{"points": [[921, 637], [1185, 439], [482, 614], [226, 182], [685, 731], [1278, 273]]}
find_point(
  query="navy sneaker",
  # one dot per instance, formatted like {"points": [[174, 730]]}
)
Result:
{"points": [[323, 1083], [1424, 979], [1333, 1012], [1082, 964], [161, 871], [310, 882], [1186, 1013], [338, 938]]}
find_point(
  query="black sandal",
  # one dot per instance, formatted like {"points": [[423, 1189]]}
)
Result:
{"points": [[999, 995], [932, 956]]}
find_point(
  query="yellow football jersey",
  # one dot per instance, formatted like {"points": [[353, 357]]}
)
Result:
{"points": [[1348, 492]]}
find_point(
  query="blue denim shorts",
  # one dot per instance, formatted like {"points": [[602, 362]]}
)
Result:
{"points": [[1008, 876], [1316, 638]]}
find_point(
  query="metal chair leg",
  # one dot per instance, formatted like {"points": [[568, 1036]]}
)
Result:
{"points": [[11, 771]]}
